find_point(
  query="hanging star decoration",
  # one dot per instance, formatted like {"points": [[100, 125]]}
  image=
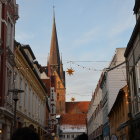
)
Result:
{"points": [[70, 71], [72, 99]]}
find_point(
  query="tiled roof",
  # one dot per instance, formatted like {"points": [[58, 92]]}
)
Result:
{"points": [[77, 107], [73, 119]]}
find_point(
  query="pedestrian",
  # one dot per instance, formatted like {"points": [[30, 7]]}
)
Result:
{"points": [[25, 133]]}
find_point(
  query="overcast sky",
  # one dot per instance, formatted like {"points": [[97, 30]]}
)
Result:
{"points": [[88, 30]]}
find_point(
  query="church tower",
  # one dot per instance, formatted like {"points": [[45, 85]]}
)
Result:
{"points": [[55, 70], [54, 59]]}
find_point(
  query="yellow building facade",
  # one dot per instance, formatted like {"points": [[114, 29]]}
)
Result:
{"points": [[31, 106], [118, 116]]}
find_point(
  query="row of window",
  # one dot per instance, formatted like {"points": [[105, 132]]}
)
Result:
{"points": [[28, 102]]}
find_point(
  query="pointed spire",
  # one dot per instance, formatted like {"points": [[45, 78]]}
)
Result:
{"points": [[54, 48], [61, 70]]}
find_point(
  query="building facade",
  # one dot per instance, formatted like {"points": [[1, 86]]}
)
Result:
{"points": [[95, 114], [73, 123], [132, 55], [8, 17], [118, 116], [31, 104], [113, 80]]}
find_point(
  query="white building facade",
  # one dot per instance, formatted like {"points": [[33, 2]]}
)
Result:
{"points": [[113, 80], [95, 114], [70, 132]]}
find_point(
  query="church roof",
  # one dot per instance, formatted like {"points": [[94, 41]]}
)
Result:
{"points": [[73, 119], [77, 107], [54, 58]]}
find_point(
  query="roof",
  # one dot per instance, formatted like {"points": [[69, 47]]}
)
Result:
{"points": [[77, 107], [73, 119]]}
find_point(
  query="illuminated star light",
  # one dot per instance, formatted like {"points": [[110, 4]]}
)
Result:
{"points": [[70, 71]]}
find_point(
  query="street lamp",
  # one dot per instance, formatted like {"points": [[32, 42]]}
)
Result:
{"points": [[15, 98]]}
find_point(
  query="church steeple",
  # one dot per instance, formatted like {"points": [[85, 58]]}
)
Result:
{"points": [[54, 60], [62, 73]]}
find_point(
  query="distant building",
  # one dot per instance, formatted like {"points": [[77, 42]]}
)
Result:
{"points": [[8, 18], [113, 80], [132, 55], [95, 114], [80, 107], [118, 116], [73, 123]]}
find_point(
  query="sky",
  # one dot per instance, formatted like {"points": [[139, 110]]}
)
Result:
{"points": [[88, 33]]}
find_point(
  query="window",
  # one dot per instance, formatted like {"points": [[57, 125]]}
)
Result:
{"points": [[72, 136], [25, 94], [68, 136], [9, 34], [29, 106], [9, 85], [133, 93], [138, 77], [20, 87], [57, 96]]}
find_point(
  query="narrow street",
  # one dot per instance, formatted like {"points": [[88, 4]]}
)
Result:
{"points": [[69, 70]]}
